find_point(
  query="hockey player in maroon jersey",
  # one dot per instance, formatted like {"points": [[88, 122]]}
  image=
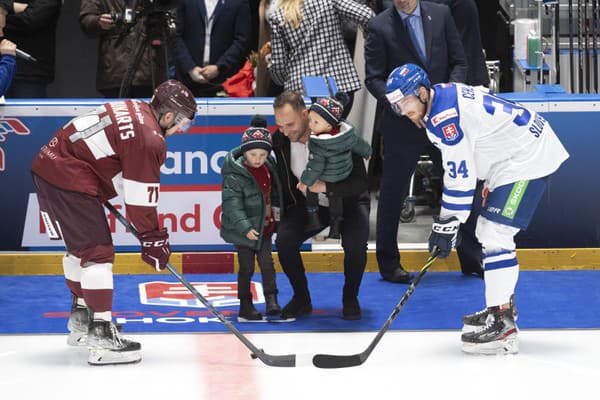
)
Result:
{"points": [[116, 149]]}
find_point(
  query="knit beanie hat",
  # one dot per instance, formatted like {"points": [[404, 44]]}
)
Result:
{"points": [[257, 136], [330, 109]]}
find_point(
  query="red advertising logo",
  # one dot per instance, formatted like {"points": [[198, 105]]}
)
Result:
{"points": [[8, 126]]}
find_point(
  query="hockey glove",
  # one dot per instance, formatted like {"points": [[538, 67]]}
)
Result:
{"points": [[156, 248], [444, 235]]}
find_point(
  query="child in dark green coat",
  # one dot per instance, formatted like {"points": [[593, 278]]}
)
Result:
{"points": [[331, 145], [249, 192]]}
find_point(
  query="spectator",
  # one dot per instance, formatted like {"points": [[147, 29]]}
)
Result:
{"points": [[265, 87], [33, 30], [211, 43], [410, 32], [466, 19], [250, 189], [7, 64], [291, 151], [116, 48], [307, 40]]}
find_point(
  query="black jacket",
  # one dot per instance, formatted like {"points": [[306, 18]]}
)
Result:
{"points": [[356, 185], [34, 31]]}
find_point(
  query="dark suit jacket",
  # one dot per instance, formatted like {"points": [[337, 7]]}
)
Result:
{"points": [[229, 45], [388, 45], [466, 18]]}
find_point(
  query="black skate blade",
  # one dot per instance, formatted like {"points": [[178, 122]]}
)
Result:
{"points": [[330, 361]]}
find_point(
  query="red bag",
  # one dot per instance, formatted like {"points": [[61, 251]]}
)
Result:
{"points": [[240, 84]]}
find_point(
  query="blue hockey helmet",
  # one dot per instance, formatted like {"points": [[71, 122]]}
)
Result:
{"points": [[403, 81]]}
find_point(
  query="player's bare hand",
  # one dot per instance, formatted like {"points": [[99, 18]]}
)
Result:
{"points": [[318, 187], [252, 234], [301, 187], [210, 72], [106, 22], [8, 47]]}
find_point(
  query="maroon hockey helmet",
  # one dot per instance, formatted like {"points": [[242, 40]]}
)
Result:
{"points": [[174, 96]]}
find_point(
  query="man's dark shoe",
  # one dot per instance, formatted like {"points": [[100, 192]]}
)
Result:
{"points": [[312, 221], [296, 308], [351, 310], [398, 276]]}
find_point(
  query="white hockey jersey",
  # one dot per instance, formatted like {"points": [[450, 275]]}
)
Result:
{"points": [[484, 137]]}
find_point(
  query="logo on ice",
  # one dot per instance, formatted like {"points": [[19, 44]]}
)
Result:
{"points": [[219, 294]]}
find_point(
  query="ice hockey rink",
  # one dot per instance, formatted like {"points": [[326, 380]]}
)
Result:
{"points": [[560, 364]]}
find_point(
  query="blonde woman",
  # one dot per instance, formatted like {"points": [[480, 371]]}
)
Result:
{"points": [[307, 40]]}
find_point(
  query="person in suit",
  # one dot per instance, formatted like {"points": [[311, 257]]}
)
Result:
{"points": [[409, 32], [211, 43]]}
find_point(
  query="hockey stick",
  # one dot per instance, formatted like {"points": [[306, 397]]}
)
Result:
{"points": [[274, 361], [335, 361]]}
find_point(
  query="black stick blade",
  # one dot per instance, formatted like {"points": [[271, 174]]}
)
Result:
{"points": [[333, 361], [276, 361]]}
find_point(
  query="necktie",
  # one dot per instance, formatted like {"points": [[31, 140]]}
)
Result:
{"points": [[416, 35]]}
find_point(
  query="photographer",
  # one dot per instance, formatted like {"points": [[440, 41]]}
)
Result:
{"points": [[116, 49]]}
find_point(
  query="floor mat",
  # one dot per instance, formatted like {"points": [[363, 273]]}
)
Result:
{"points": [[159, 303]]}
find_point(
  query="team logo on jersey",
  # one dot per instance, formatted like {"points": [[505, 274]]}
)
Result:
{"points": [[8, 126], [219, 294], [443, 116], [450, 132]]}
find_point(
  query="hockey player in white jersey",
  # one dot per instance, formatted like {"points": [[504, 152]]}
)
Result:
{"points": [[512, 150]]}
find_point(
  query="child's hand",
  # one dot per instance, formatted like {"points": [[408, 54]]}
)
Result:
{"points": [[301, 187], [252, 234]]}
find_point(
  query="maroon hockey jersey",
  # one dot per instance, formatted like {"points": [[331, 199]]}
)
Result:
{"points": [[116, 149]]}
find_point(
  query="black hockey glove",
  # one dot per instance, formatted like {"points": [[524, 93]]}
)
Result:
{"points": [[444, 235]]}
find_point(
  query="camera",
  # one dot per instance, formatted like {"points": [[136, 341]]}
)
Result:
{"points": [[163, 9]]}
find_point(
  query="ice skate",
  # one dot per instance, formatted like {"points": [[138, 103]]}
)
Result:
{"points": [[107, 346], [498, 336], [334, 228], [78, 326], [472, 322]]}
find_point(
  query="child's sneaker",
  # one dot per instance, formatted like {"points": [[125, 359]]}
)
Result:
{"points": [[247, 311], [107, 346], [497, 336]]}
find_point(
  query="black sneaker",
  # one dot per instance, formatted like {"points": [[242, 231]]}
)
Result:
{"points": [[272, 305], [248, 312], [296, 307], [351, 310]]}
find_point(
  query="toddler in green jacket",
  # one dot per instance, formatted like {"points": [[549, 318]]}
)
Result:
{"points": [[331, 145], [250, 189]]}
